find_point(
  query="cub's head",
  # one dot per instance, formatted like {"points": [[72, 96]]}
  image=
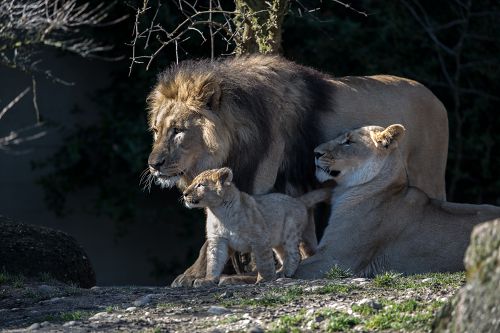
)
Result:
{"points": [[208, 188], [357, 156], [188, 135]]}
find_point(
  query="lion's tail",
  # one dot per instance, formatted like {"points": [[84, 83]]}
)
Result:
{"points": [[312, 198]]}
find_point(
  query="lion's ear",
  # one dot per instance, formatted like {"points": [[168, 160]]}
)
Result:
{"points": [[211, 95], [389, 136], [225, 176]]}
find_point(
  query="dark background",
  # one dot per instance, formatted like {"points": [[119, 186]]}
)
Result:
{"points": [[83, 176]]}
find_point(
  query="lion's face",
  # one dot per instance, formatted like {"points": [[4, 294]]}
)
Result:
{"points": [[177, 144], [357, 156], [185, 140], [208, 188]]}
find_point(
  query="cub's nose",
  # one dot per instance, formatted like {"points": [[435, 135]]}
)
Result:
{"points": [[317, 154], [156, 164]]}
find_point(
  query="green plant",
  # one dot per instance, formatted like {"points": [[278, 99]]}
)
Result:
{"points": [[387, 280], [73, 315], [339, 321], [335, 288], [336, 272], [289, 323], [274, 297]]}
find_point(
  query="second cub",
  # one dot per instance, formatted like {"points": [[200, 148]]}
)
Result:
{"points": [[245, 223]]}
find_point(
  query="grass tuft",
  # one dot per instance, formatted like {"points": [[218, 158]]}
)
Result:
{"points": [[336, 288], [387, 280], [336, 272], [274, 297]]}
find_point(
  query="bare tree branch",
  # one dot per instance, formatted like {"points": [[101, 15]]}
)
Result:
{"points": [[29, 26]]}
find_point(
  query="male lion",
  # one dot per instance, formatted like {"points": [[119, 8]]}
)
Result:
{"points": [[380, 223], [262, 116]]}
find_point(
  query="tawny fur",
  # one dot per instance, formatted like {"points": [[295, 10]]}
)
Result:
{"points": [[380, 223], [245, 223], [262, 116]]}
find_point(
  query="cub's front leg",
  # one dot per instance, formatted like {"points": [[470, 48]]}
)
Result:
{"points": [[217, 256]]}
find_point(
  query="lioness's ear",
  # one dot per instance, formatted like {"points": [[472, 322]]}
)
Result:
{"points": [[225, 176], [388, 137]]}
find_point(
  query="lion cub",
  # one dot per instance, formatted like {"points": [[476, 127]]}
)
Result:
{"points": [[245, 223]]}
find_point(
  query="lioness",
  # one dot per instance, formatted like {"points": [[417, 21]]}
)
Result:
{"points": [[262, 116], [245, 223], [381, 223]]}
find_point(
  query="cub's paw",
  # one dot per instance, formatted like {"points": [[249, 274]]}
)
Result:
{"points": [[204, 282], [183, 280]]}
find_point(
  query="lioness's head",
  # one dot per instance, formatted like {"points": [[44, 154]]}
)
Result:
{"points": [[208, 188], [188, 135], [357, 156]]}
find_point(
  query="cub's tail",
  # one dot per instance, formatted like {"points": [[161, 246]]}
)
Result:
{"points": [[312, 198]]}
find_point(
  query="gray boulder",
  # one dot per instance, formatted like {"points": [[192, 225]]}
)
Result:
{"points": [[476, 307], [32, 250]]}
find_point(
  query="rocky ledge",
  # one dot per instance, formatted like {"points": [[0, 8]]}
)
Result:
{"points": [[389, 302]]}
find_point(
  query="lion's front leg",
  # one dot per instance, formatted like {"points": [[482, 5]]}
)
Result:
{"points": [[217, 256], [197, 271]]}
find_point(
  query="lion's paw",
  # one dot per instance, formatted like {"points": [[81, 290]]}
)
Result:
{"points": [[204, 282], [183, 280]]}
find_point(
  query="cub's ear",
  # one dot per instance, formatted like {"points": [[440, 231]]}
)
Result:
{"points": [[225, 176], [388, 137]]}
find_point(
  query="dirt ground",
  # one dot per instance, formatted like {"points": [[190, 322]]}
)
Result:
{"points": [[387, 303]]}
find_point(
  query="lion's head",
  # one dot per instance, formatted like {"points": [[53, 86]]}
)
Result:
{"points": [[357, 156], [188, 135]]}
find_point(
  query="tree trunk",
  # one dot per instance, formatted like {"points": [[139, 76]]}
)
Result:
{"points": [[260, 22]]}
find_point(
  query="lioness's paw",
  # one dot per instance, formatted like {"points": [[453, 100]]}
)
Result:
{"points": [[203, 282]]}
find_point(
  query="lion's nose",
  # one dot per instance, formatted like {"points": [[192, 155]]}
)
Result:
{"points": [[156, 164], [317, 154]]}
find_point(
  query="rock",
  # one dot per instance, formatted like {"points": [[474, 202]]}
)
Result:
{"points": [[32, 250], [476, 307], [217, 310], [33, 327], [69, 323], [227, 294], [361, 281], [371, 303], [255, 329], [144, 300], [426, 280], [131, 309], [99, 316], [47, 290]]}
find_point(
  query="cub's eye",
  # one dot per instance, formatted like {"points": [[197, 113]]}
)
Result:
{"points": [[200, 185], [155, 130], [177, 130], [347, 142]]}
